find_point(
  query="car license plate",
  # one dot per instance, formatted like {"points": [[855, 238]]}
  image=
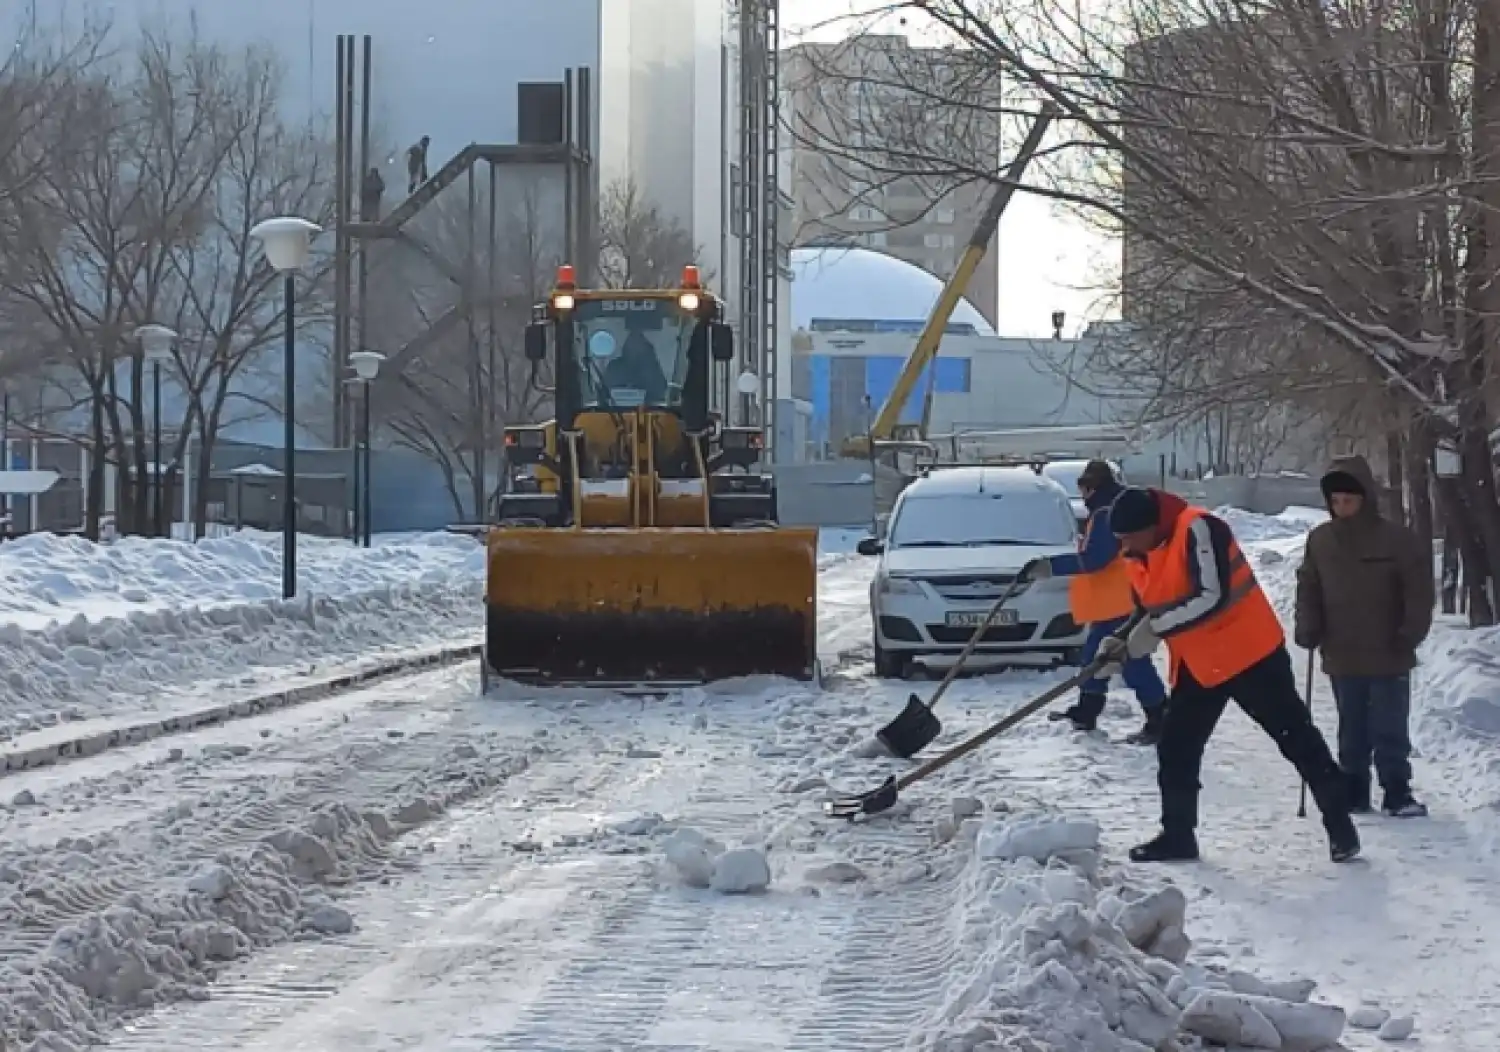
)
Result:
{"points": [[975, 618]]}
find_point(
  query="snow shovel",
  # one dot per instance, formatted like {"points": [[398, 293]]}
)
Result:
{"points": [[916, 727], [883, 798]]}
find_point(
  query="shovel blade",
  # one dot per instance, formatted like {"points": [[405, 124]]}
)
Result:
{"points": [[871, 803], [911, 731]]}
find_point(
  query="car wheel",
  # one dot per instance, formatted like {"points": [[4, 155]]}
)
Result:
{"points": [[890, 666]]}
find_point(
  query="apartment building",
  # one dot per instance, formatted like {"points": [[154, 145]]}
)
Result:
{"points": [[856, 110]]}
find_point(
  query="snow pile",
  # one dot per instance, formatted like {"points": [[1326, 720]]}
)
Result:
{"points": [[1456, 718], [1053, 955], [702, 862], [46, 578], [122, 942], [1292, 523], [94, 626]]}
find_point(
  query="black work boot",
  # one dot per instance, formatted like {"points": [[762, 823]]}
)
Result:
{"points": [[1343, 837], [1331, 792], [1399, 803], [1084, 715], [1167, 846], [1150, 732], [1176, 841]]}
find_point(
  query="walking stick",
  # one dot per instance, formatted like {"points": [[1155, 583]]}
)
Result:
{"points": [[1312, 658]]}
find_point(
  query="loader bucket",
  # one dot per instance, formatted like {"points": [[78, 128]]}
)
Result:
{"points": [[641, 607]]}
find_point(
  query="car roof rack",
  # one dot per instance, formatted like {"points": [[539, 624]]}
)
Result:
{"points": [[1004, 460]]}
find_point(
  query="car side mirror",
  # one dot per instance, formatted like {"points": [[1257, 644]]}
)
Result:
{"points": [[721, 341], [536, 341], [869, 546]]}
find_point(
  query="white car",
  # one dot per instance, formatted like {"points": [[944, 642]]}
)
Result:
{"points": [[957, 539], [1065, 473]]}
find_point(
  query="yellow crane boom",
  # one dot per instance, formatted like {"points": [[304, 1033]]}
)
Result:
{"points": [[889, 416]]}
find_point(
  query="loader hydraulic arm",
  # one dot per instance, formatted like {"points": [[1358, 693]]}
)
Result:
{"points": [[889, 416]]}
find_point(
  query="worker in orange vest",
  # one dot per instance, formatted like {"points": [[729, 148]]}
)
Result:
{"points": [[1196, 590], [1099, 596]]}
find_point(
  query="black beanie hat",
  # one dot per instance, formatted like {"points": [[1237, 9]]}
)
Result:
{"points": [[1342, 482], [1133, 510], [1096, 473]]}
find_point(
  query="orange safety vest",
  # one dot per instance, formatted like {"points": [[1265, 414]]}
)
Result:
{"points": [[1103, 595], [1245, 629]]}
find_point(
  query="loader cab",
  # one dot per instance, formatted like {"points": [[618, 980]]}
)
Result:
{"points": [[632, 374], [620, 350]]}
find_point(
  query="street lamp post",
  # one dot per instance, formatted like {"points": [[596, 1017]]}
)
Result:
{"points": [[366, 367], [287, 241], [156, 344]]}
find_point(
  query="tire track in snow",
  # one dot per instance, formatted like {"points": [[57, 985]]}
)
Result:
{"points": [[458, 956], [611, 997], [891, 968], [94, 855]]}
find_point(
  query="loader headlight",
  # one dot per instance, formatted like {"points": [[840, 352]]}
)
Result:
{"points": [[688, 301], [743, 438], [562, 301], [525, 438], [897, 586]]}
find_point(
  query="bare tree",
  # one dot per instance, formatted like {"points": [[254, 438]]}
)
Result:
{"points": [[40, 98], [173, 154], [639, 246], [1319, 180]]}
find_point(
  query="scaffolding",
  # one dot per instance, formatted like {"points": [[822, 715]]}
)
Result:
{"points": [[563, 144], [759, 204]]}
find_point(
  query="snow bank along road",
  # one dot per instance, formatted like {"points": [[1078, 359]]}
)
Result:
{"points": [[90, 631], [408, 867]]}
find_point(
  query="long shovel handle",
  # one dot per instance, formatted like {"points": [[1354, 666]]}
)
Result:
{"points": [[1312, 661], [974, 640], [968, 745]]}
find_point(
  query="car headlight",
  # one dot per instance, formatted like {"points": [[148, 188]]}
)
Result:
{"points": [[897, 586]]}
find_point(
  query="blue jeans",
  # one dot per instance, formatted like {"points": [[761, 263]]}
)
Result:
{"points": [[1373, 714], [1139, 674]]}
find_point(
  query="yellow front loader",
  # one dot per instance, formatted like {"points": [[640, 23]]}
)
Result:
{"points": [[637, 545]]}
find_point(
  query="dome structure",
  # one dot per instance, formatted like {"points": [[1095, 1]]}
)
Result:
{"points": [[867, 290]]}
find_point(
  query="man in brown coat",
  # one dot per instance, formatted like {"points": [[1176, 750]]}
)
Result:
{"points": [[1364, 599]]}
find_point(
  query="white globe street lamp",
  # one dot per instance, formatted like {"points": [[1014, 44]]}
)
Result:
{"points": [[366, 366], [156, 346], [287, 241]]}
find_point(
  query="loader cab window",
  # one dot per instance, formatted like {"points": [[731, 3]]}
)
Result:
{"points": [[631, 352]]}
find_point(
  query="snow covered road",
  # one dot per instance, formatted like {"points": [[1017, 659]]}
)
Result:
{"points": [[501, 865]]}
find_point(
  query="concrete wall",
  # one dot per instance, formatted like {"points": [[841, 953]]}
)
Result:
{"points": [[1012, 383], [833, 493]]}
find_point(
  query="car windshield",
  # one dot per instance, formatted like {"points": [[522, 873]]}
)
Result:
{"points": [[975, 519], [631, 352]]}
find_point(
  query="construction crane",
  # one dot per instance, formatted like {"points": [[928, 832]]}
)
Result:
{"points": [[887, 426]]}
